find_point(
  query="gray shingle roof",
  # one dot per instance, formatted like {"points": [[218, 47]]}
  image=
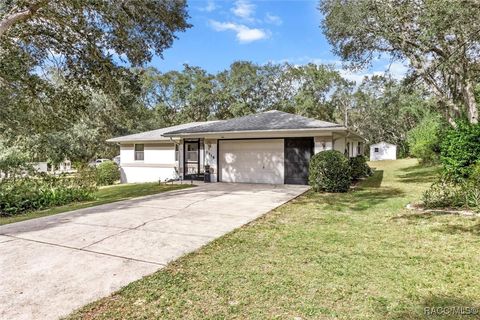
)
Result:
{"points": [[155, 135], [269, 120]]}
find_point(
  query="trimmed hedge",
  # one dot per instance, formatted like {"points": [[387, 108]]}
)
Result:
{"points": [[329, 171], [107, 173], [359, 167]]}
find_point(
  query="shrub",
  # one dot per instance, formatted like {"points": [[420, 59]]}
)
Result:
{"points": [[329, 171], [460, 150], [14, 163], [447, 193], [424, 140], [359, 167], [40, 192], [107, 173]]}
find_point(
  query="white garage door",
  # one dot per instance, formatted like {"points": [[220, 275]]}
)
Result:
{"points": [[253, 161]]}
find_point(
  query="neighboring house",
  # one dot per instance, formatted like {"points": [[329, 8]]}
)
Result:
{"points": [[383, 151], [64, 167], [40, 166], [270, 147]]}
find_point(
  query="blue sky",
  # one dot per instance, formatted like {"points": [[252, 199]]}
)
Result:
{"points": [[258, 31]]}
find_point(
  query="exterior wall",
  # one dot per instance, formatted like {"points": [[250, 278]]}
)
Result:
{"points": [[146, 174], [353, 147], [386, 151], [211, 157], [158, 165], [322, 143], [40, 166], [339, 144]]}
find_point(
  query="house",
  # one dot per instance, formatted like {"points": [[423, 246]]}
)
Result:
{"points": [[270, 147], [383, 151]]}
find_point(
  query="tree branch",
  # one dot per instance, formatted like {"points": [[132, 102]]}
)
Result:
{"points": [[9, 20]]}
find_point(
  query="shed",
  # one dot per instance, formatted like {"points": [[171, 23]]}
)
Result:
{"points": [[383, 151]]}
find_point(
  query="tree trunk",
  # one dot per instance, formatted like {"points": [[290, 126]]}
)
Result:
{"points": [[470, 103]]}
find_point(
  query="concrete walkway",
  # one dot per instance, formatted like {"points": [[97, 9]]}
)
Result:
{"points": [[53, 265]]}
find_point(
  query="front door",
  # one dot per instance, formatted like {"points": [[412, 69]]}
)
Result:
{"points": [[298, 152], [191, 160]]}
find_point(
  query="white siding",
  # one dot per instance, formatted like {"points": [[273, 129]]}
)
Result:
{"points": [[252, 161], [160, 153], [158, 165], [339, 144], [322, 144], [211, 157], [386, 151]]}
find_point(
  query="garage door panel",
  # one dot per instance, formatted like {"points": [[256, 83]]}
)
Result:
{"points": [[253, 161]]}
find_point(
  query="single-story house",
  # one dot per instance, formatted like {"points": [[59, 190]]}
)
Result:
{"points": [[270, 147], [383, 151]]}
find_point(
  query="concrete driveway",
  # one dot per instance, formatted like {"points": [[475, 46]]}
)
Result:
{"points": [[53, 265]]}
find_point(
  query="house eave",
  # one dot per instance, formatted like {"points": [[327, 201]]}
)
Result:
{"points": [[159, 140], [213, 133]]}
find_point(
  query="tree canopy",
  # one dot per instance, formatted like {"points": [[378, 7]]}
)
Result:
{"points": [[440, 40]]}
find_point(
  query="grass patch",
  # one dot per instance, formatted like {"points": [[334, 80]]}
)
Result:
{"points": [[102, 196], [359, 255]]}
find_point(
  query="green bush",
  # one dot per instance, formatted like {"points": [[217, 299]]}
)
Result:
{"points": [[329, 171], [447, 193], [460, 150], [359, 167], [424, 140], [107, 173], [14, 163], [40, 192]]}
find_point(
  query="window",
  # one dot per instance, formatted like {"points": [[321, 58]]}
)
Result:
{"points": [[139, 152], [191, 152], [359, 148], [176, 152], [376, 150]]}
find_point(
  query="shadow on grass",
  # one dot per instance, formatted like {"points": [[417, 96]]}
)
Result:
{"points": [[446, 227], [419, 174], [419, 216], [441, 307], [356, 200], [460, 229], [375, 181]]}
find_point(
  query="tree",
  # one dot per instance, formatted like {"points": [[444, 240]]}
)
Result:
{"points": [[424, 139], [315, 85], [90, 42], [440, 40], [385, 110]]}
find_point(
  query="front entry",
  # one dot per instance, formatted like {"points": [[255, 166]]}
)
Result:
{"points": [[298, 152], [191, 164]]}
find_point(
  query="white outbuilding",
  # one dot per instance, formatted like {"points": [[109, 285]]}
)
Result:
{"points": [[383, 151]]}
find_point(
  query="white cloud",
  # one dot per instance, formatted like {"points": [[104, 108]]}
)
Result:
{"points": [[243, 9], [273, 19], [211, 6], [397, 70], [244, 34]]}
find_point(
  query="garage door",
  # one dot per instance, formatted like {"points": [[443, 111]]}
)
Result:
{"points": [[252, 161]]}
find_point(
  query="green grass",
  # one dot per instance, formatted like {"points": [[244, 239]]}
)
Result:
{"points": [[359, 255], [102, 196]]}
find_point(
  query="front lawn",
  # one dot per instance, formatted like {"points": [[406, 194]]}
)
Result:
{"points": [[102, 196], [360, 255]]}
